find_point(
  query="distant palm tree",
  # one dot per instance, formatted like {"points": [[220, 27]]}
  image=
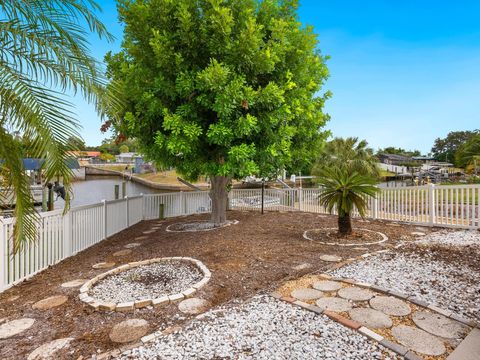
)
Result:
{"points": [[43, 53], [349, 154], [343, 191]]}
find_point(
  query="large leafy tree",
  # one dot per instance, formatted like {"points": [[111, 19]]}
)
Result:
{"points": [[349, 154], [43, 53], [223, 88], [444, 149]]}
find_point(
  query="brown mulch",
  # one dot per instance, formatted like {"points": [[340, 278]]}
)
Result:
{"points": [[358, 236], [256, 255]]}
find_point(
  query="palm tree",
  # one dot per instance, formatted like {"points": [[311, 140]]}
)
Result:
{"points": [[349, 154], [343, 192], [43, 54]]}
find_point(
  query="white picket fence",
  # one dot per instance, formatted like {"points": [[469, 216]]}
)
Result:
{"points": [[61, 236]]}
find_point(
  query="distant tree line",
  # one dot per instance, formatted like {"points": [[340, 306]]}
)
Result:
{"points": [[111, 146], [461, 148]]}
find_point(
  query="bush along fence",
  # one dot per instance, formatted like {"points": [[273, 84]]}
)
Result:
{"points": [[60, 236]]}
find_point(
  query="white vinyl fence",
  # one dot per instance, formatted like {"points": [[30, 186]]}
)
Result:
{"points": [[60, 236]]}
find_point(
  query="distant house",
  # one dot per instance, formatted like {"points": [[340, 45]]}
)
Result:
{"points": [[394, 159], [424, 159], [127, 157], [85, 157]]}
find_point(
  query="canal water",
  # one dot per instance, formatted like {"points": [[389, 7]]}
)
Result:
{"points": [[97, 188]]}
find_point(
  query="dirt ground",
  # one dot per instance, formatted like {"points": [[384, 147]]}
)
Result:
{"points": [[254, 256]]}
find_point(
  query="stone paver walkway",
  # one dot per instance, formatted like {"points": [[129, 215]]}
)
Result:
{"points": [[405, 327]]}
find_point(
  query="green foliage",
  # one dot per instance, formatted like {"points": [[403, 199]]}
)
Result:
{"points": [[468, 152], [107, 157], [343, 191], [113, 145], [76, 143], [220, 87], [349, 155], [398, 151], [123, 149], [43, 53], [445, 149]]}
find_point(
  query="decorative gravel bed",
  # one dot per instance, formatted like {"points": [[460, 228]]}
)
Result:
{"points": [[263, 328], [147, 281], [198, 226], [447, 276], [470, 238]]}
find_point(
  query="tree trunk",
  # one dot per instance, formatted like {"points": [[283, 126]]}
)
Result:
{"points": [[219, 197], [344, 224]]}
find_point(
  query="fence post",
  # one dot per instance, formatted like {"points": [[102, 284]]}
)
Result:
{"points": [[183, 210], [3, 256], [431, 204], [67, 235], [126, 208], [104, 219], [143, 206], [300, 199], [375, 204]]}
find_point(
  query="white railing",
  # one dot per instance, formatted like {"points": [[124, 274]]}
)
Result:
{"points": [[60, 236]]}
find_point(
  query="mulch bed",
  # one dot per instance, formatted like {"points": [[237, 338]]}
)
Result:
{"points": [[244, 260], [331, 236]]}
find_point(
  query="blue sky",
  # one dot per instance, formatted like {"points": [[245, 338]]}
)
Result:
{"points": [[402, 72]]}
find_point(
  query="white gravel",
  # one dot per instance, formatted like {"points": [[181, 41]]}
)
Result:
{"points": [[147, 281], [450, 285], [453, 238], [263, 328]]}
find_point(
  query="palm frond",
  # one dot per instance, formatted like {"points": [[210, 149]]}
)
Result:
{"points": [[44, 52]]}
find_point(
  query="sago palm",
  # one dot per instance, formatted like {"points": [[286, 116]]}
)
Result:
{"points": [[349, 154], [343, 192], [43, 54]]}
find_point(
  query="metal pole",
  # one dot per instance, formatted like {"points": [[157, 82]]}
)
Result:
{"points": [[263, 193], [50, 196], [124, 189], [161, 211]]}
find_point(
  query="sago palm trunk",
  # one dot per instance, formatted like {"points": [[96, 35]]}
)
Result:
{"points": [[344, 224]]}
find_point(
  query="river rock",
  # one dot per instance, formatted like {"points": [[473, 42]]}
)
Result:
{"points": [[327, 285], [390, 305], [355, 293], [418, 233], [306, 294], [128, 330], [122, 253], [132, 245], [48, 350], [14, 327], [193, 306], [74, 283], [439, 325], [334, 304], [50, 302], [303, 266], [418, 340], [330, 258], [103, 265], [370, 318]]}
